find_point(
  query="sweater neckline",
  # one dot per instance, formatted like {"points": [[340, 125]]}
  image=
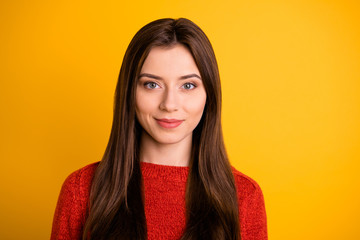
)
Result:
{"points": [[165, 172]]}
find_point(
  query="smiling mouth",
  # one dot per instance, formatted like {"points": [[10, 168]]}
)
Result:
{"points": [[169, 123]]}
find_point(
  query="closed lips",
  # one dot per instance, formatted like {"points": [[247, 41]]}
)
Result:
{"points": [[169, 120]]}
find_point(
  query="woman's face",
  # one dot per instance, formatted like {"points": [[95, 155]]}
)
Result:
{"points": [[170, 95]]}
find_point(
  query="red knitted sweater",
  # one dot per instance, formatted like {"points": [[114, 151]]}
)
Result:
{"points": [[164, 188]]}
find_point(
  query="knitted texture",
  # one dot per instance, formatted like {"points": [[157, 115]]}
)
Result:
{"points": [[164, 188]]}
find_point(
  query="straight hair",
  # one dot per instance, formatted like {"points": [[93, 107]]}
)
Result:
{"points": [[116, 203]]}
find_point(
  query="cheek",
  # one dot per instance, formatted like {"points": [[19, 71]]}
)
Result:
{"points": [[195, 105], [145, 104], [140, 107]]}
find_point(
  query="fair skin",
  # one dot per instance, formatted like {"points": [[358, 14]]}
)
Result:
{"points": [[170, 100]]}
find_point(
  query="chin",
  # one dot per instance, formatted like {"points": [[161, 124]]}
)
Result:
{"points": [[169, 140]]}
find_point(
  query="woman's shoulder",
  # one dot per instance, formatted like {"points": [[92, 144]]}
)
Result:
{"points": [[83, 173], [77, 184], [82, 177], [245, 180], [72, 204], [252, 211], [245, 185]]}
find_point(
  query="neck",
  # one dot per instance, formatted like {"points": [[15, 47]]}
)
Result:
{"points": [[171, 154]]}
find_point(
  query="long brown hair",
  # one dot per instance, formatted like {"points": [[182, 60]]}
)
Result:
{"points": [[116, 197]]}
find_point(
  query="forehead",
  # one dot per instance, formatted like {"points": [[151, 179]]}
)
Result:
{"points": [[169, 61]]}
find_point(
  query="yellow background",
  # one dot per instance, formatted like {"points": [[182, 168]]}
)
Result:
{"points": [[290, 74]]}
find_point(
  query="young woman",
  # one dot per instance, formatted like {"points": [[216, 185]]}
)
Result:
{"points": [[165, 172]]}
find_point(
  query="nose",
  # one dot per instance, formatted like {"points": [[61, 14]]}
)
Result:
{"points": [[169, 101]]}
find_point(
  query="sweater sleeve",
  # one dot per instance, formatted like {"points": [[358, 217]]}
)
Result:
{"points": [[67, 222], [253, 215]]}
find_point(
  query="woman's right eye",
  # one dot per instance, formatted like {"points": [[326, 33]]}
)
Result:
{"points": [[151, 85]]}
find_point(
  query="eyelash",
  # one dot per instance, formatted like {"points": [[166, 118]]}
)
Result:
{"points": [[146, 84]]}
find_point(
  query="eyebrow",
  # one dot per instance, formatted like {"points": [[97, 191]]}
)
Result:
{"points": [[193, 75]]}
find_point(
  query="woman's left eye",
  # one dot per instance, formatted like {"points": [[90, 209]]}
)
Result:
{"points": [[188, 86]]}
